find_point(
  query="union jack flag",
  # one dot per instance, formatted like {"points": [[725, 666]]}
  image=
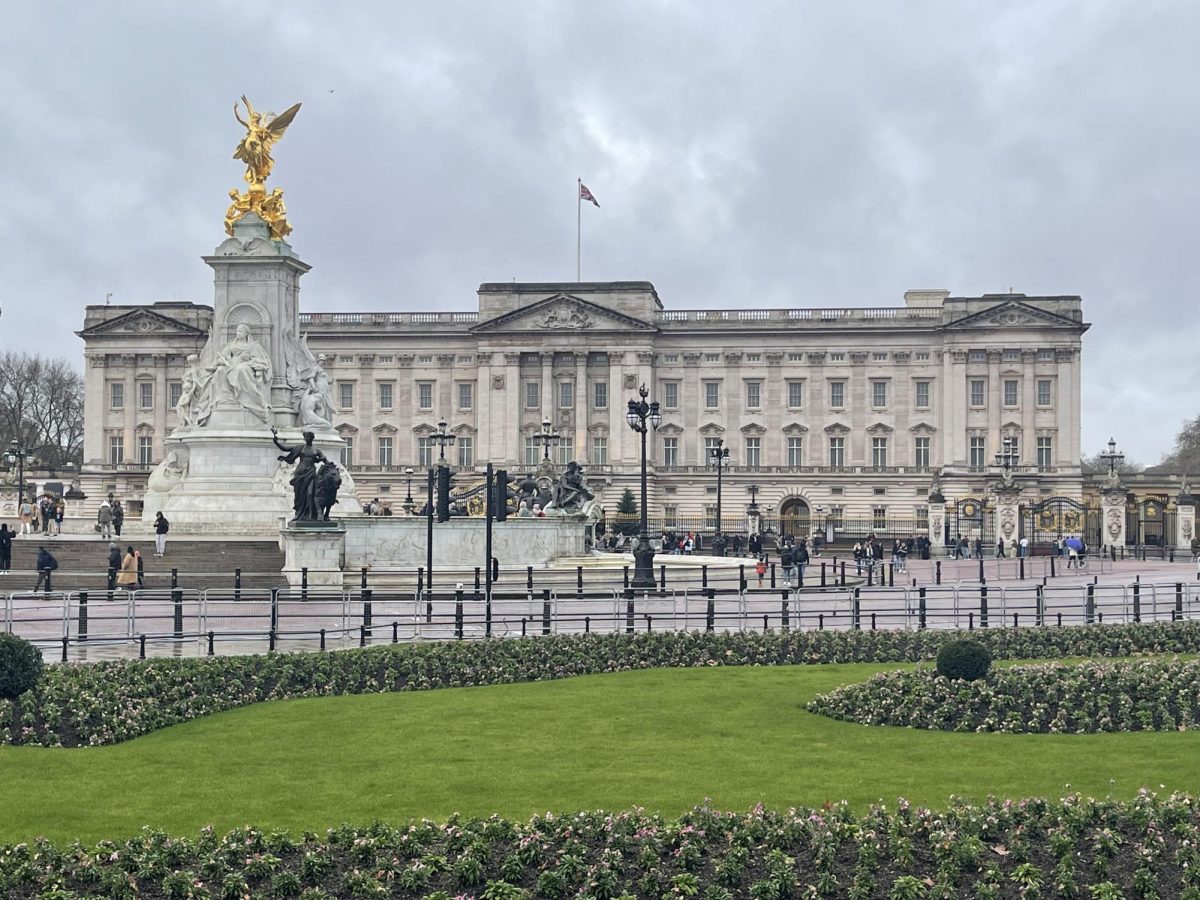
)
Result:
{"points": [[585, 194]]}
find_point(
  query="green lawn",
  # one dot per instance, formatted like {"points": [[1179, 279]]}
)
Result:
{"points": [[663, 740]]}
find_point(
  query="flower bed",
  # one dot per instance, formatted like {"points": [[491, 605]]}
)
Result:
{"points": [[1150, 695], [109, 702], [1149, 847]]}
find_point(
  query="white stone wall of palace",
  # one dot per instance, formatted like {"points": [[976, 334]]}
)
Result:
{"points": [[956, 374]]}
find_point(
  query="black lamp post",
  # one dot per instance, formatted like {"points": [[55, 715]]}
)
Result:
{"points": [[443, 437], [718, 458], [1007, 457], [16, 456], [752, 511], [409, 504], [1113, 458], [547, 437], [642, 416]]}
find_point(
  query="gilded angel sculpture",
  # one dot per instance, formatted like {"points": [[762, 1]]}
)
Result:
{"points": [[262, 131]]}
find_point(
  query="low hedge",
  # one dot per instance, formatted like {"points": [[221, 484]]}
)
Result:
{"points": [[1074, 847], [1149, 695], [110, 702]]}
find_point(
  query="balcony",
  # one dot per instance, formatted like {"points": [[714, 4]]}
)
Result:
{"points": [[917, 317]]}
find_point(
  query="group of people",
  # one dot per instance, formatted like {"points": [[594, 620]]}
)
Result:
{"points": [[110, 518], [871, 552], [375, 508], [41, 514]]}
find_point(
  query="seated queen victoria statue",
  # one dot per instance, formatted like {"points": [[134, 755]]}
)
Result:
{"points": [[242, 372]]}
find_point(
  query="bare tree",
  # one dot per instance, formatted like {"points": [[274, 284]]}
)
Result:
{"points": [[41, 407], [1186, 455]]}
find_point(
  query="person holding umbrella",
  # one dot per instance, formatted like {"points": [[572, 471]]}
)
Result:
{"points": [[1074, 552]]}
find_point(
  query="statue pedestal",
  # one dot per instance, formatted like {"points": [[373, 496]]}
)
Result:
{"points": [[1008, 517], [319, 550], [1112, 511]]}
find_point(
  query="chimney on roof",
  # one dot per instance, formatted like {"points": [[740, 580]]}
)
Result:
{"points": [[925, 298]]}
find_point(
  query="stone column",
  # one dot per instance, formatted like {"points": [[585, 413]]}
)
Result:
{"points": [[512, 403], [485, 452], [1112, 511], [583, 403], [1185, 519], [131, 408], [547, 385], [1008, 514], [161, 401]]}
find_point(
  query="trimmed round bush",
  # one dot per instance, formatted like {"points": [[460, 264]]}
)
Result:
{"points": [[20, 666], [964, 659]]}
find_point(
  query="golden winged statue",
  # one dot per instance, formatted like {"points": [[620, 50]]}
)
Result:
{"points": [[254, 149]]}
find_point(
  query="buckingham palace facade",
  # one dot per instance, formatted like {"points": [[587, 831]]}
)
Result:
{"points": [[842, 413]]}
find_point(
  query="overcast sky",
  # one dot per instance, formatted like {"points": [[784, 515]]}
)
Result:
{"points": [[744, 154]]}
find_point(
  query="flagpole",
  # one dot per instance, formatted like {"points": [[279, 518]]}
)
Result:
{"points": [[578, 226]]}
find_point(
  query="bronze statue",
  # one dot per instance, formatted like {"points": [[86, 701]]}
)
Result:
{"points": [[305, 500], [571, 491]]}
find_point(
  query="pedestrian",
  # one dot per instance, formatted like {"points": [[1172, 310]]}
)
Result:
{"points": [[1000, 549], [858, 557], [979, 548], [1072, 554], [45, 565], [114, 563], [46, 513], [1024, 547], [6, 539], [127, 577], [60, 511], [760, 569], [161, 527], [800, 560], [141, 569], [104, 517], [26, 517], [902, 557], [118, 517], [786, 557]]}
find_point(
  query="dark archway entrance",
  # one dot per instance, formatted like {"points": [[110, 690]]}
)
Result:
{"points": [[795, 518]]}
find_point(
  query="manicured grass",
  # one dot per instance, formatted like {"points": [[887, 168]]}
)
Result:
{"points": [[662, 739]]}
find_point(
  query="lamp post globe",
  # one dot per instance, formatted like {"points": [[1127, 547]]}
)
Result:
{"points": [[642, 416], [718, 459]]}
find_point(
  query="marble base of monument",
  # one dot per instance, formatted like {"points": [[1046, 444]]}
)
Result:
{"points": [[318, 548]]}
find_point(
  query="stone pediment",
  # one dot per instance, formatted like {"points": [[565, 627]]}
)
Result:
{"points": [[562, 314], [142, 321], [1015, 314]]}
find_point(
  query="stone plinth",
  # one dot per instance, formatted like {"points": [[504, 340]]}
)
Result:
{"points": [[383, 542], [1008, 515], [319, 550], [1185, 521], [1112, 512]]}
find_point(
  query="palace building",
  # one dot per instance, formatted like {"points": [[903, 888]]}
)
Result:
{"points": [[832, 416]]}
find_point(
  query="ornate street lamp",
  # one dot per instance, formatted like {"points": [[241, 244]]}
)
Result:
{"points": [[409, 503], [16, 455], [752, 511], [1113, 458], [547, 437], [718, 458], [443, 437], [642, 416], [1006, 459]]}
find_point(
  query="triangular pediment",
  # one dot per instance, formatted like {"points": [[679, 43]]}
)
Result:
{"points": [[142, 321], [562, 313], [1015, 314]]}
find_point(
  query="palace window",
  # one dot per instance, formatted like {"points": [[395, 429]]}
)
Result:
{"points": [[837, 394], [425, 451], [977, 391], [346, 394], [921, 355], [795, 394], [532, 453], [425, 395], [145, 450], [879, 394], [977, 453], [386, 389], [671, 394], [670, 515], [922, 395], [146, 395], [600, 395], [712, 394], [174, 392], [753, 394], [795, 451], [1010, 392], [599, 451], [837, 452], [385, 451], [1045, 452], [977, 356], [921, 452], [566, 394], [466, 395], [116, 449], [837, 357], [710, 447], [753, 451], [670, 451], [533, 395], [466, 451], [879, 357], [1043, 392], [879, 452], [879, 517], [116, 395], [347, 452]]}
